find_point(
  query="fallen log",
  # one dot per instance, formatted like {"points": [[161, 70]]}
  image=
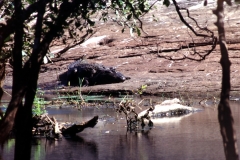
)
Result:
{"points": [[79, 128], [43, 125]]}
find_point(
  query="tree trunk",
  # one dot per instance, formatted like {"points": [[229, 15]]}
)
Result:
{"points": [[25, 77], [2, 77], [23, 112], [224, 111]]}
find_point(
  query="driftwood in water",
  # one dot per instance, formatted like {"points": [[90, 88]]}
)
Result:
{"points": [[79, 128], [49, 127]]}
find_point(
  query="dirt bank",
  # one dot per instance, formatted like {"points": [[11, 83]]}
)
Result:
{"points": [[138, 57]]}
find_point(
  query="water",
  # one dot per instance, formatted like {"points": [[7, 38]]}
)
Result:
{"points": [[192, 137]]}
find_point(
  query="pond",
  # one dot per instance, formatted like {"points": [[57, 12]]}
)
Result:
{"points": [[193, 136]]}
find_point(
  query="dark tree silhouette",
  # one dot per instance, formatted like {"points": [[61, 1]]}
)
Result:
{"points": [[63, 12], [224, 111], [2, 76], [25, 73], [225, 117]]}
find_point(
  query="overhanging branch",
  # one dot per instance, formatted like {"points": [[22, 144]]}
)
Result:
{"points": [[210, 34]]}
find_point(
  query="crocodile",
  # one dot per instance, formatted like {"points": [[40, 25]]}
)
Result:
{"points": [[83, 73]]}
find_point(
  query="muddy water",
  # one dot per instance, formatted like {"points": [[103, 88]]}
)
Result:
{"points": [[195, 136]]}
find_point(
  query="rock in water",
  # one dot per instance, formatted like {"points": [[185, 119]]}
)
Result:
{"points": [[87, 74]]}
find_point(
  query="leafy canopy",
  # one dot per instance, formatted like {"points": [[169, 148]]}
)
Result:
{"points": [[78, 19]]}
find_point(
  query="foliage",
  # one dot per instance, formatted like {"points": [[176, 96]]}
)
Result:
{"points": [[166, 2], [39, 104], [141, 89], [32, 27], [39, 107], [77, 23]]}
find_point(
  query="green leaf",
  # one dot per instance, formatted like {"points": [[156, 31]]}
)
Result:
{"points": [[138, 31], [117, 13], [120, 3], [144, 86], [166, 2], [155, 18], [90, 22], [31, 1], [7, 39], [77, 24], [131, 32], [129, 16], [24, 53]]}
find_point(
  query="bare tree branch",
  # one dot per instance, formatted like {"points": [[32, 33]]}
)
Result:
{"points": [[210, 35]]}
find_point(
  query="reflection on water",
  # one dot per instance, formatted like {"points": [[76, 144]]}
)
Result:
{"points": [[195, 136]]}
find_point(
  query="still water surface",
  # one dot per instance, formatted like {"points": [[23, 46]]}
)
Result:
{"points": [[192, 137]]}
